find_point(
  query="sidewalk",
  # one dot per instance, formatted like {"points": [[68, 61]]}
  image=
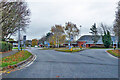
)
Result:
{"points": [[8, 53]]}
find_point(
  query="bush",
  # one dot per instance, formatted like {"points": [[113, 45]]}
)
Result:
{"points": [[4, 46]]}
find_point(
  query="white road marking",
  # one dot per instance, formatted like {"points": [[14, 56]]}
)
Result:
{"points": [[32, 61], [28, 64], [25, 65]]}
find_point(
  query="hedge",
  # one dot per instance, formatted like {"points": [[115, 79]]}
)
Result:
{"points": [[4, 46]]}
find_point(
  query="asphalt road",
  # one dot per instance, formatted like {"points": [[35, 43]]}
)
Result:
{"points": [[92, 63]]}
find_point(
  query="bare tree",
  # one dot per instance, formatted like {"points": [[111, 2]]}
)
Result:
{"points": [[104, 28], [71, 30], [15, 15], [117, 24]]}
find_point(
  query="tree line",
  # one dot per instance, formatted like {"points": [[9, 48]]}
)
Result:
{"points": [[60, 34], [105, 31]]}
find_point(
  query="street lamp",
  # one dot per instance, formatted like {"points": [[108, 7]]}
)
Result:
{"points": [[18, 38], [80, 31]]}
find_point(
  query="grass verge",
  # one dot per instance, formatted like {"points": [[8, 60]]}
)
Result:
{"points": [[47, 49], [52, 48], [17, 48], [100, 48], [67, 50], [115, 53], [15, 58]]}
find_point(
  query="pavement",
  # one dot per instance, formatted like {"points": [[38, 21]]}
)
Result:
{"points": [[8, 53], [90, 63]]}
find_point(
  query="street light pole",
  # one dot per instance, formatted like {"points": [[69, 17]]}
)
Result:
{"points": [[19, 39], [80, 30]]}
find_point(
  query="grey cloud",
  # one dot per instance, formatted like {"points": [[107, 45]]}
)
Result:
{"points": [[46, 13]]}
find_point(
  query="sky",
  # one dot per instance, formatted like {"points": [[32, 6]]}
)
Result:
{"points": [[47, 13]]}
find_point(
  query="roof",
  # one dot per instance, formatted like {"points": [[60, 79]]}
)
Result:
{"points": [[88, 39]]}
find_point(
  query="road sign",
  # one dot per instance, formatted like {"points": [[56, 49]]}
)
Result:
{"points": [[71, 38], [45, 42], [48, 44], [24, 40], [21, 42]]}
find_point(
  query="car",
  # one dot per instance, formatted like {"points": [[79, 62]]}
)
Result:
{"points": [[36, 46]]}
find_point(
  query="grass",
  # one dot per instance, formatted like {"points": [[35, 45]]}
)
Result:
{"points": [[52, 48], [100, 48], [17, 48], [115, 53], [15, 58], [63, 49], [47, 49], [67, 50]]}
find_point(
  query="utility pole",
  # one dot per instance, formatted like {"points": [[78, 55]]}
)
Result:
{"points": [[19, 39]]}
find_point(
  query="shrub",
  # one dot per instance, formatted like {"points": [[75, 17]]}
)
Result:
{"points": [[4, 46], [106, 38]]}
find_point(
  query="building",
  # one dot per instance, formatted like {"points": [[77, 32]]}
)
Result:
{"points": [[72, 44], [14, 43], [86, 41]]}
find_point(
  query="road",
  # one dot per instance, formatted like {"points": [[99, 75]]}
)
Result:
{"points": [[91, 63]]}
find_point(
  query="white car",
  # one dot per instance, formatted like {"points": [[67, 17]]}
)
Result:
{"points": [[36, 46]]}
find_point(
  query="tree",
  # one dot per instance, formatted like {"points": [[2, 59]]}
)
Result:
{"points": [[15, 15], [61, 39], [71, 30], [117, 24], [34, 42], [28, 42], [41, 41], [94, 32], [58, 32], [104, 28], [48, 36], [106, 38]]}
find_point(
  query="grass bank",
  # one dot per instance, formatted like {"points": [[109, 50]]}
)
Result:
{"points": [[115, 53], [15, 58]]}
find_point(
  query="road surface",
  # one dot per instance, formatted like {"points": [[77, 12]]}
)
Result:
{"points": [[91, 63]]}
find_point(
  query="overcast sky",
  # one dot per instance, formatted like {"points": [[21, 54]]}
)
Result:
{"points": [[46, 13]]}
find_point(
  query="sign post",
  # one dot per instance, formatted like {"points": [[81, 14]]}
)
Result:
{"points": [[71, 39]]}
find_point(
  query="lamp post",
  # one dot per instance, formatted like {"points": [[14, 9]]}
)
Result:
{"points": [[80, 31], [19, 39]]}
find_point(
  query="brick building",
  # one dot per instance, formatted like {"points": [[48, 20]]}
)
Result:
{"points": [[86, 41]]}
